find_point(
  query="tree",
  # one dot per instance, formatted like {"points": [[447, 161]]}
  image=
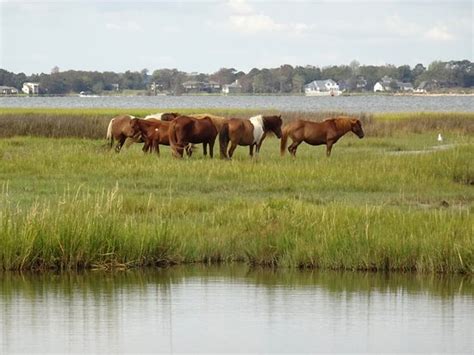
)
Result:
{"points": [[404, 73], [298, 83], [224, 76], [355, 66]]}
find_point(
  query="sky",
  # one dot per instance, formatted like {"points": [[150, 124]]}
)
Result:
{"points": [[204, 36]]}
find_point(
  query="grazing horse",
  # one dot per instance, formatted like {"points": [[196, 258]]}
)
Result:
{"points": [[217, 120], [249, 132], [316, 133], [184, 130], [153, 134], [119, 129], [164, 116]]}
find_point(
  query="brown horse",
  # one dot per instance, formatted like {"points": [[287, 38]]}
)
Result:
{"points": [[165, 116], [316, 133], [217, 120], [153, 134], [249, 132], [184, 130], [119, 129]]}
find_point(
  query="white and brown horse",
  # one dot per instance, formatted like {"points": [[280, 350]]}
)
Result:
{"points": [[249, 132]]}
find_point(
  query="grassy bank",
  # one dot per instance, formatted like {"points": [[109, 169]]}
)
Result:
{"points": [[390, 201]]}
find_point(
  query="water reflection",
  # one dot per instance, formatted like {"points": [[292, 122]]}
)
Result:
{"points": [[217, 309]]}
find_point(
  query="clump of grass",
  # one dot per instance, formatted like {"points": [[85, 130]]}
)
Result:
{"points": [[85, 230]]}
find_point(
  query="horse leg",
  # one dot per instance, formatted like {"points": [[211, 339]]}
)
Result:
{"points": [[251, 149], [145, 147], [204, 148], [329, 148], [120, 143], [293, 146], [189, 150], [157, 148], [231, 149], [211, 148]]}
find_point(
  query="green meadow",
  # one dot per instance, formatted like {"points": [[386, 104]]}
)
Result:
{"points": [[396, 200]]}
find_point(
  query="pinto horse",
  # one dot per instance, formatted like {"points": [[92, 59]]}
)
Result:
{"points": [[316, 133], [249, 132], [184, 130], [120, 129]]}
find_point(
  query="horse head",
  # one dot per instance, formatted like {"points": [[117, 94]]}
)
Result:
{"points": [[273, 123], [134, 128], [356, 127]]}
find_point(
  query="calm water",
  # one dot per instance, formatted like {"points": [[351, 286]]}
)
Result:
{"points": [[221, 309], [355, 104]]}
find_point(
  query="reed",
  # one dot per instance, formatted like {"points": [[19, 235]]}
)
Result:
{"points": [[92, 123]]}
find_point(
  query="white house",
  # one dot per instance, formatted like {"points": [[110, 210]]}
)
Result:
{"points": [[8, 90], [385, 84], [322, 88], [379, 87], [235, 87], [30, 88]]}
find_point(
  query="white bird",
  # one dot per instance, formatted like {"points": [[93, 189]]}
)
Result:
{"points": [[440, 138]]}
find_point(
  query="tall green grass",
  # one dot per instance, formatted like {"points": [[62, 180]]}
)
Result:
{"points": [[72, 204], [96, 231]]}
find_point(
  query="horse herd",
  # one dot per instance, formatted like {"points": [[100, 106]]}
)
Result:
{"points": [[182, 132]]}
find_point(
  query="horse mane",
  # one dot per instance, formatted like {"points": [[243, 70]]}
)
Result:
{"points": [[271, 122], [342, 123]]}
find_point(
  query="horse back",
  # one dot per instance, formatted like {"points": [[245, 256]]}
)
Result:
{"points": [[241, 131]]}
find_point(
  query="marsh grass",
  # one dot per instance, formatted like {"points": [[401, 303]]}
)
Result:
{"points": [[92, 123], [70, 204]]}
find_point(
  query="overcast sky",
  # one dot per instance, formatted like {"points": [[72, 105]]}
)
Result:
{"points": [[204, 36]]}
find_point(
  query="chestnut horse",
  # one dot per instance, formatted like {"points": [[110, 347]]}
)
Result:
{"points": [[316, 133], [153, 134], [249, 132], [217, 120], [164, 116], [119, 129], [184, 130]]}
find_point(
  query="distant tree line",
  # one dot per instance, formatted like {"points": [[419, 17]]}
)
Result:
{"points": [[285, 79]]}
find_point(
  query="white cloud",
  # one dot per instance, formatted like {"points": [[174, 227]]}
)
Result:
{"points": [[397, 26], [129, 26], [240, 6], [439, 33], [403, 28], [254, 23]]}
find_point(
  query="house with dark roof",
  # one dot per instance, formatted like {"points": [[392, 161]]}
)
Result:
{"points": [[389, 84], [201, 86], [8, 90], [233, 88], [322, 88]]}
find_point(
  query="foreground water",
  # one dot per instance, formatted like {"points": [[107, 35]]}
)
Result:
{"points": [[355, 104], [221, 309]]}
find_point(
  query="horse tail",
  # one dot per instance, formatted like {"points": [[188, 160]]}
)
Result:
{"points": [[224, 139], [173, 138], [109, 131], [284, 139]]}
